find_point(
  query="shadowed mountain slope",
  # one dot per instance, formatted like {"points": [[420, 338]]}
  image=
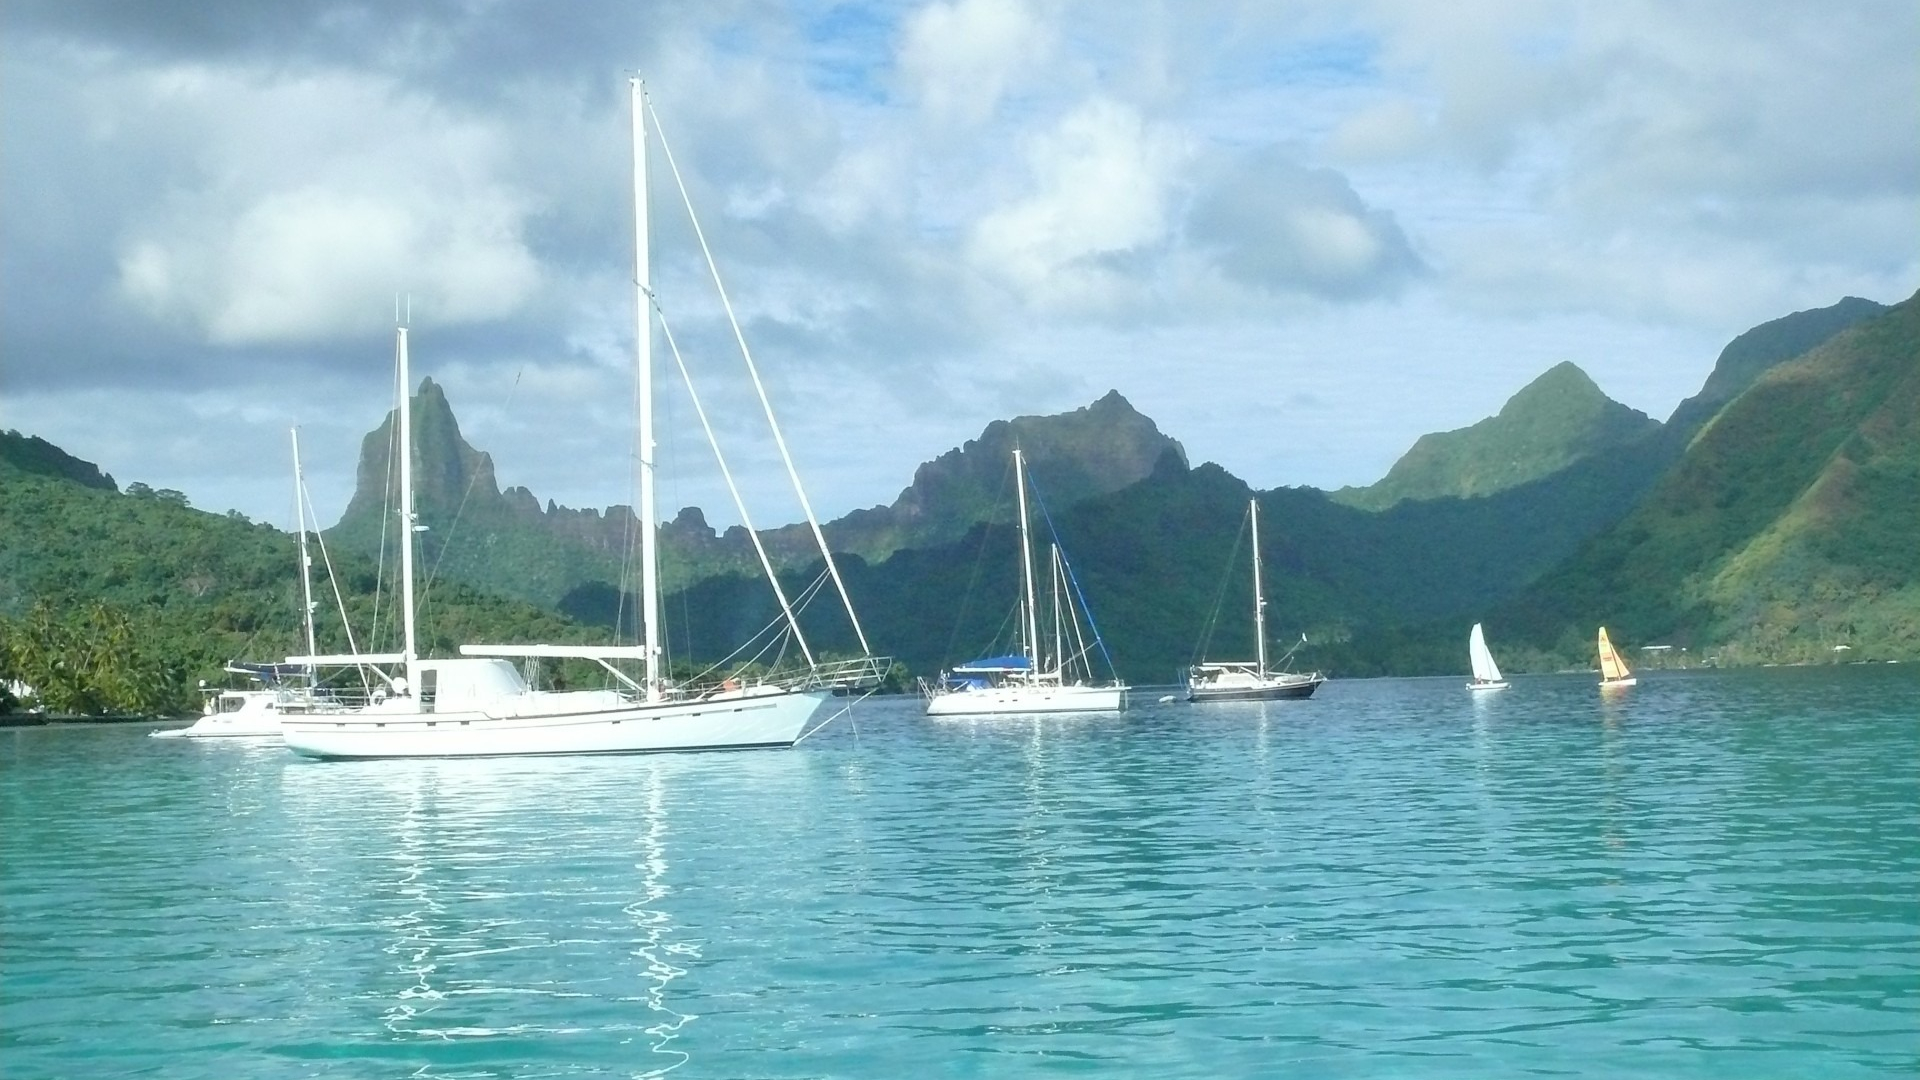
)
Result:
{"points": [[1787, 527]]}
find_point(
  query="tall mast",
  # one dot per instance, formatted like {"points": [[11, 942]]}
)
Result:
{"points": [[643, 363], [306, 561], [1026, 567], [1259, 599], [406, 508]]}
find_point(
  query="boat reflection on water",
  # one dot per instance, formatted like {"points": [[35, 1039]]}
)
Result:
{"points": [[508, 898], [658, 948]]}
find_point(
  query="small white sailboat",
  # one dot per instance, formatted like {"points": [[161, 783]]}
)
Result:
{"points": [[1030, 682], [255, 712], [1239, 680], [252, 713], [1613, 670], [1486, 673], [480, 705]]}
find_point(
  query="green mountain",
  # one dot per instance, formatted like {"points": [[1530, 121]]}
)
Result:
{"points": [[30, 455], [574, 560], [1388, 591], [1556, 420], [1092, 451], [500, 542], [1786, 528], [128, 600], [1753, 353]]}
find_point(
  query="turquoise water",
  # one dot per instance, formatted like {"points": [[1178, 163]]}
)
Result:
{"points": [[1709, 875]]}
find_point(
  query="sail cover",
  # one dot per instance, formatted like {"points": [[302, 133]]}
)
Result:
{"points": [[995, 664]]}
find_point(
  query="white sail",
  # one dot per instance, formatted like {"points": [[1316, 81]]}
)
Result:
{"points": [[1484, 669]]}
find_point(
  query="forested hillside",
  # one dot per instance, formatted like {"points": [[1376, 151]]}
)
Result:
{"points": [[123, 602], [1788, 528]]}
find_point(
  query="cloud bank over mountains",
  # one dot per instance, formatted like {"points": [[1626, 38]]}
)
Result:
{"points": [[1298, 236]]}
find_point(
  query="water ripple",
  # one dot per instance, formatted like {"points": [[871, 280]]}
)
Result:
{"points": [[1710, 876]]}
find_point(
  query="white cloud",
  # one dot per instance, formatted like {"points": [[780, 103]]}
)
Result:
{"points": [[959, 59], [1100, 184], [301, 208], [1276, 226]]}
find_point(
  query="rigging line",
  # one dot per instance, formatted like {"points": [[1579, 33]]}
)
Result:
{"points": [[726, 474], [1220, 594], [333, 581], [1073, 578], [753, 371], [979, 560], [846, 711], [1079, 639], [386, 512], [764, 631]]}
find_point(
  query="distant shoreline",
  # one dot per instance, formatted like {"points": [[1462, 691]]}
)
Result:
{"points": [[26, 720]]}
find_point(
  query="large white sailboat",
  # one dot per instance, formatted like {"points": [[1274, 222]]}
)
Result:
{"points": [[478, 704], [1486, 673], [1031, 681], [1241, 681]]}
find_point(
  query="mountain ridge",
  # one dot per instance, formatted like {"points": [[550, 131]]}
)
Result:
{"points": [[1801, 494], [507, 542], [1552, 422]]}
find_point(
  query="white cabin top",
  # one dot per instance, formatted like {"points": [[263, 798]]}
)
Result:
{"points": [[468, 683]]}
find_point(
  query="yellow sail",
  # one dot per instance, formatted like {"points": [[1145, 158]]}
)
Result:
{"points": [[1612, 668]]}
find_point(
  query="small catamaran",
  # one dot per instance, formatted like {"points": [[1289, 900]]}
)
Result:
{"points": [[1486, 673], [1613, 670]]}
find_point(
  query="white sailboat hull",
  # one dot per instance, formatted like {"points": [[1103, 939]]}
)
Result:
{"points": [[744, 722], [260, 725], [1628, 681], [1486, 686], [1010, 700]]}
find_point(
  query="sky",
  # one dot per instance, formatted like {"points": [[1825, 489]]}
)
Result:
{"points": [[1298, 235]]}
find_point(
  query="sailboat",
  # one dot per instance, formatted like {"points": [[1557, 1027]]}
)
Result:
{"points": [[1486, 673], [1242, 681], [1030, 682], [1613, 670], [480, 705], [256, 712]]}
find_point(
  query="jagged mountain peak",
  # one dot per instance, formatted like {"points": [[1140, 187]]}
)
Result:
{"points": [[1564, 381], [1093, 450], [448, 471]]}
